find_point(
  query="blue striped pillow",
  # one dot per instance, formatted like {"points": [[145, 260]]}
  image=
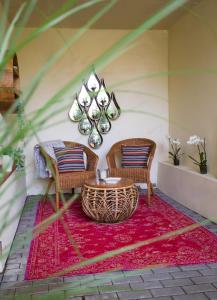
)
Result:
{"points": [[135, 156], [70, 159]]}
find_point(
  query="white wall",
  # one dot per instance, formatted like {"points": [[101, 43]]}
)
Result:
{"points": [[148, 95], [13, 196], [192, 95]]}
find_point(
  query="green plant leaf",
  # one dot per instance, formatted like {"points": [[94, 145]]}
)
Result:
{"points": [[28, 9], [178, 150], [6, 40], [25, 97], [191, 157], [31, 128], [172, 154], [44, 27]]}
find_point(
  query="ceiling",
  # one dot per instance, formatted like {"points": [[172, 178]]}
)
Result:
{"points": [[125, 14]]}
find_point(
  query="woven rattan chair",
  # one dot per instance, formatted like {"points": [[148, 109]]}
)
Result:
{"points": [[138, 175], [70, 180]]}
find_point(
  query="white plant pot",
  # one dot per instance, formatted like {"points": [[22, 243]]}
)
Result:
{"points": [[7, 163]]}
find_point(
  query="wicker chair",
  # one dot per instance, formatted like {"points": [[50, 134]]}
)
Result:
{"points": [[70, 180], [113, 158]]}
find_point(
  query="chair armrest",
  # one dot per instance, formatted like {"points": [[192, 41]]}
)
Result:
{"points": [[51, 163], [92, 160], [150, 159], [150, 162], [110, 157]]}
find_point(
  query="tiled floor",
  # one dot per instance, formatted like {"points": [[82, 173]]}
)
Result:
{"points": [[177, 283]]}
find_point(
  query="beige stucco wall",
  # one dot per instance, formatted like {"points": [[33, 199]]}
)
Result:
{"points": [[193, 91], [148, 95], [192, 189]]}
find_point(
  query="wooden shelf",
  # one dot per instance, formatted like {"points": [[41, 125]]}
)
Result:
{"points": [[9, 90], [4, 107], [9, 85]]}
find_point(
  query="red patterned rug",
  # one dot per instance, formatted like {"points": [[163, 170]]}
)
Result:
{"points": [[52, 251]]}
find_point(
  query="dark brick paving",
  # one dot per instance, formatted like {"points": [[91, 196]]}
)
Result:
{"points": [[172, 283]]}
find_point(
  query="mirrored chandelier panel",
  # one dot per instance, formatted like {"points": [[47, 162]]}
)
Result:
{"points": [[94, 108]]}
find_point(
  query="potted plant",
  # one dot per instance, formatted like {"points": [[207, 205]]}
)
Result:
{"points": [[7, 158], [175, 150], [10, 156], [200, 144], [18, 157]]}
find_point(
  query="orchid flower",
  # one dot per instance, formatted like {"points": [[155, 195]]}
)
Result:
{"points": [[175, 148], [200, 143]]}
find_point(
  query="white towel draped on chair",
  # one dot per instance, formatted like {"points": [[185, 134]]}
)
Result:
{"points": [[42, 170]]}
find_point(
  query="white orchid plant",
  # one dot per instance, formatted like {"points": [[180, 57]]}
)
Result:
{"points": [[175, 148], [201, 147]]}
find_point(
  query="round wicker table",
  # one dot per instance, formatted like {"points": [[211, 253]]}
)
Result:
{"points": [[109, 202]]}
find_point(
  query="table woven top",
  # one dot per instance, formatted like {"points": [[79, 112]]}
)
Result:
{"points": [[122, 183]]}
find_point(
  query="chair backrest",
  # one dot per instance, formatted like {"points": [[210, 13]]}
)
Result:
{"points": [[91, 158], [114, 155]]}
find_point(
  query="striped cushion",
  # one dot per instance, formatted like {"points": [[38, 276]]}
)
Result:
{"points": [[70, 159], [135, 156]]}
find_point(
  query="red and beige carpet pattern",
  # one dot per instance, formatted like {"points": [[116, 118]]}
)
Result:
{"points": [[52, 251]]}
